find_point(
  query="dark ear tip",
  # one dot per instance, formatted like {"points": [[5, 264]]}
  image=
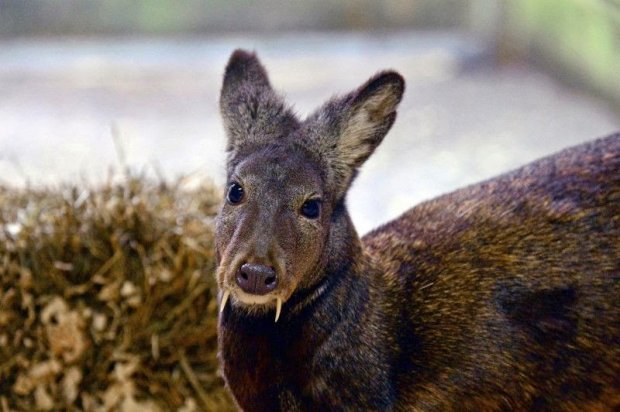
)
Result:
{"points": [[385, 79], [241, 56], [244, 66], [241, 59], [394, 79]]}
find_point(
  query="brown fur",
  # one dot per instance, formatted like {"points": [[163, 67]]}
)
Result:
{"points": [[500, 296]]}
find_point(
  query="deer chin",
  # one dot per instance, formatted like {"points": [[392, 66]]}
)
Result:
{"points": [[252, 303]]}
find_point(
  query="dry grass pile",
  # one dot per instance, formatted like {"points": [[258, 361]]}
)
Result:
{"points": [[107, 299]]}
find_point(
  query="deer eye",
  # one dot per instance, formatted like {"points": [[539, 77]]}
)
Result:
{"points": [[235, 193], [311, 208]]}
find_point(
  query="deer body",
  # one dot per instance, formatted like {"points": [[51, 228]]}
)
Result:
{"points": [[500, 296]]}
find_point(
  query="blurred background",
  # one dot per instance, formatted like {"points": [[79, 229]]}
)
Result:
{"points": [[88, 86]]}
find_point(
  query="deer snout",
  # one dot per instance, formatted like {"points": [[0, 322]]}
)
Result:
{"points": [[256, 279]]}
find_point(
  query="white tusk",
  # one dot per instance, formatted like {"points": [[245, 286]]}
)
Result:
{"points": [[278, 308], [224, 300]]}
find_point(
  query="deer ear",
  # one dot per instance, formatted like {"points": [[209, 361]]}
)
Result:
{"points": [[243, 70], [347, 130], [251, 110], [369, 116]]}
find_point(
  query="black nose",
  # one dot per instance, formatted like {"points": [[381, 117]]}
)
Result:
{"points": [[257, 279]]}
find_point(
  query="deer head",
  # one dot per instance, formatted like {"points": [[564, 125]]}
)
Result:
{"points": [[284, 226]]}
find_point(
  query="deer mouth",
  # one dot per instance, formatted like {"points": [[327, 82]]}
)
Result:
{"points": [[253, 287], [252, 301]]}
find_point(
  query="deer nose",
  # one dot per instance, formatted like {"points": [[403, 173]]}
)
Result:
{"points": [[257, 279]]}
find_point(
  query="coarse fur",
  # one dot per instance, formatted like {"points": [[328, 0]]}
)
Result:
{"points": [[499, 296]]}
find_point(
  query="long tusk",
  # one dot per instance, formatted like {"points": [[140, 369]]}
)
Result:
{"points": [[278, 308], [224, 300]]}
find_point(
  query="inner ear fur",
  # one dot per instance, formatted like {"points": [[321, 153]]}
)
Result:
{"points": [[370, 116], [345, 131]]}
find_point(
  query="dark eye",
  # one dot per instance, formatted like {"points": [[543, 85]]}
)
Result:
{"points": [[235, 193], [311, 208]]}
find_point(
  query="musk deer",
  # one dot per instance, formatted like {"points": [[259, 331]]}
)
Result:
{"points": [[504, 295]]}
